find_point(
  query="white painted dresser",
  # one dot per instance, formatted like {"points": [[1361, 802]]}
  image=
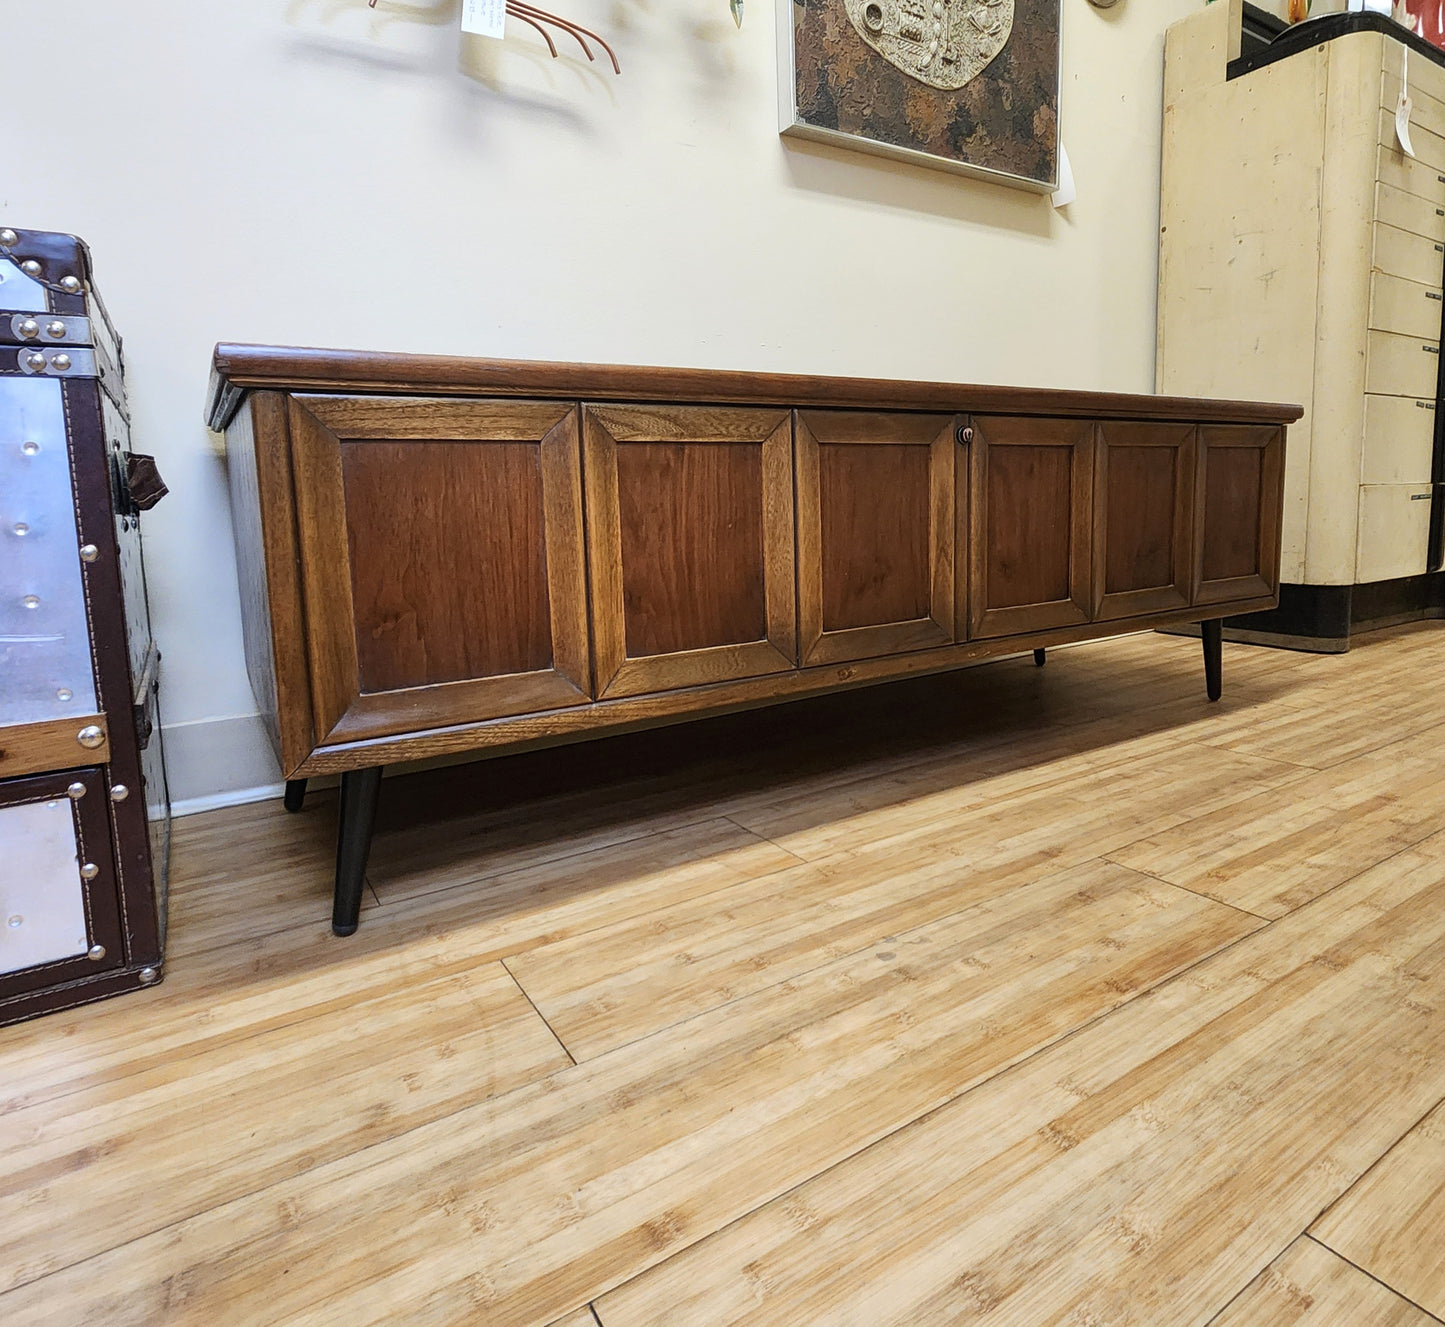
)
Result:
{"points": [[1301, 257]]}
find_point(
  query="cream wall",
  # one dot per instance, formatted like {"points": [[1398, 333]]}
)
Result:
{"points": [[317, 173]]}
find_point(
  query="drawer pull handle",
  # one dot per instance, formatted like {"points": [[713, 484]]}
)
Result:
{"points": [[1431, 350], [1425, 405], [1440, 248], [1434, 294], [1420, 497]]}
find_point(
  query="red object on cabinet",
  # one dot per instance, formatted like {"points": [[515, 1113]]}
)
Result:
{"points": [[1427, 18]]}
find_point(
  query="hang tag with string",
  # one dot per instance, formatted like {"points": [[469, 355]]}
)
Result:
{"points": [[1404, 106], [485, 18]]}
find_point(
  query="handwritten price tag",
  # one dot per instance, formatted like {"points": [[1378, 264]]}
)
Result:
{"points": [[486, 18]]}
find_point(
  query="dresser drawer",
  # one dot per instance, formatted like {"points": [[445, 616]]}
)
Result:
{"points": [[1427, 87], [1414, 257], [1394, 537], [1409, 212], [1407, 307], [1394, 168], [1429, 146], [1399, 440], [1402, 366]]}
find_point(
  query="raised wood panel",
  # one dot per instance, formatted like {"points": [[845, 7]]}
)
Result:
{"points": [[1143, 530], [1031, 497], [448, 561], [441, 554], [1238, 496], [689, 544], [691, 525], [875, 533]]}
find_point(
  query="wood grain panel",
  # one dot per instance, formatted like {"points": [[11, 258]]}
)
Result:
{"points": [[875, 533], [874, 509], [420, 570], [1143, 518], [1232, 499], [1239, 503], [1308, 1286], [691, 521], [690, 545], [1389, 1224], [448, 561], [1031, 514]]}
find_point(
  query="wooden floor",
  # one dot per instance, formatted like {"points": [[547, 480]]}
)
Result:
{"points": [[1019, 996]]}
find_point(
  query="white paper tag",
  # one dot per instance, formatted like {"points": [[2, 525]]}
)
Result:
{"points": [[486, 18], [1404, 106], [1065, 193]]}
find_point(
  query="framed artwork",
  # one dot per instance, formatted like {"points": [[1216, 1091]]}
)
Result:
{"points": [[962, 85]]}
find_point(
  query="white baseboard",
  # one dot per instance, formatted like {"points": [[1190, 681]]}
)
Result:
{"points": [[220, 762], [189, 806]]}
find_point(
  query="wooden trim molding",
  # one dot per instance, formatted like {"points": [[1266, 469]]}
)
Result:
{"points": [[237, 369], [628, 713], [33, 748]]}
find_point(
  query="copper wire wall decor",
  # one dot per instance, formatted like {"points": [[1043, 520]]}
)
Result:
{"points": [[542, 18]]}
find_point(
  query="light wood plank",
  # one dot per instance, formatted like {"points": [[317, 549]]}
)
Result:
{"points": [[1308, 1286], [1390, 1223], [127, 1157], [897, 865], [582, 1318], [1392, 677], [1125, 781], [286, 884], [522, 1208], [1285, 850], [257, 983], [1142, 1171]]}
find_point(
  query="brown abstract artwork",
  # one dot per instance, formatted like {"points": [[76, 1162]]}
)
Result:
{"points": [[967, 85]]}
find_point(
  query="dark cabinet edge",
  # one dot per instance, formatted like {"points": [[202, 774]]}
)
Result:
{"points": [[1316, 32], [237, 369]]}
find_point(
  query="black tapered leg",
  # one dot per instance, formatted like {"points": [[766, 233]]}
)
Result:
{"points": [[295, 794], [1213, 636], [1039, 657], [359, 789]]}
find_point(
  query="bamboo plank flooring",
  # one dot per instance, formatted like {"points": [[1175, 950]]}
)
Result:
{"points": [[1308, 1286], [1020, 996], [1392, 1223]]}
